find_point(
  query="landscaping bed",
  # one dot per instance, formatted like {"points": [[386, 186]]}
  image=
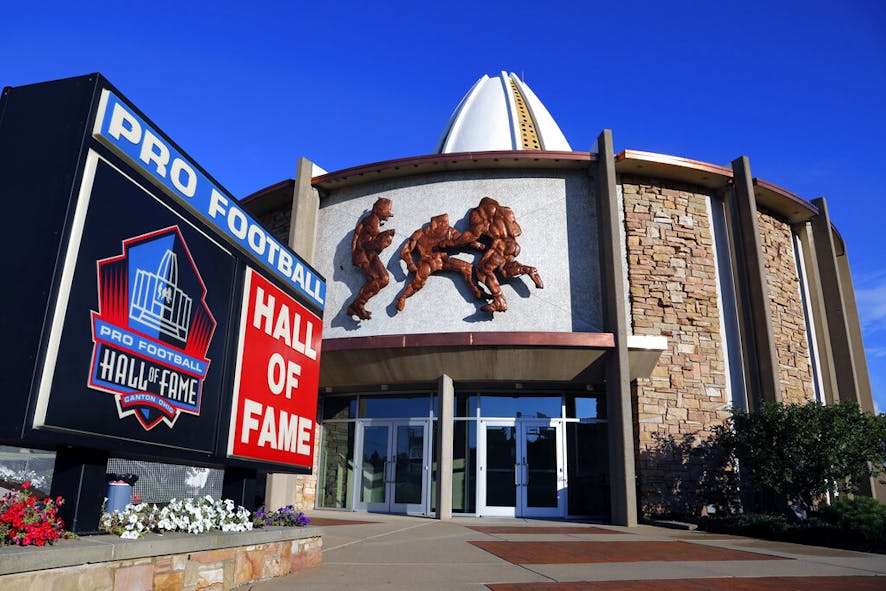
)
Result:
{"points": [[852, 524]]}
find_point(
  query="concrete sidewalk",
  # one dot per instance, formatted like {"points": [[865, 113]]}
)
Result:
{"points": [[400, 552]]}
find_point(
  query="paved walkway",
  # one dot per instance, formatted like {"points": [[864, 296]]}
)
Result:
{"points": [[363, 552]]}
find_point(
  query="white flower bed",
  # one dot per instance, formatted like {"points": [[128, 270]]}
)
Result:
{"points": [[193, 516]]}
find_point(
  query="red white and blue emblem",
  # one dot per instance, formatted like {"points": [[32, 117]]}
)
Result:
{"points": [[152, 330]]}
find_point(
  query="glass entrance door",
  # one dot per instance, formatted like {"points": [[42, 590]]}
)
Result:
{"points": [[393, 464], [543, 478], [521, 471], [498, 478]]}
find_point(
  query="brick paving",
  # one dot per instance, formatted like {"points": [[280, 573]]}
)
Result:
{"points": [[722, 584], [593, 552], [399, 553], [506, 529]]}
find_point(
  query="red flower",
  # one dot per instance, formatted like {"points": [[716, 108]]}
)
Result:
{"points": [[26, 484], [24, 520]]}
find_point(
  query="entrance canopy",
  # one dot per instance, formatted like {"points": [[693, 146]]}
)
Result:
{"points": [[479, 356]]}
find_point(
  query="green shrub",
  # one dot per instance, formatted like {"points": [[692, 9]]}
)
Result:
{"points": [[779, 527], [803, 451], [861, 516], [763, 523]]}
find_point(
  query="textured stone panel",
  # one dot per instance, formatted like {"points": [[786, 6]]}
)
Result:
{"points": [[134, 578], [213, 555], [205, 571], [78, 578], [276, 559], [211, 579], [305, 559], [559, 224], [169, 581], [249, 565], [786, 309], [673, 292]]}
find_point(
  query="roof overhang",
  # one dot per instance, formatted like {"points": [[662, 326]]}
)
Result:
{"points": [[479, 357], [712, 176], [769, 196], [521, 159], [277, 196]]}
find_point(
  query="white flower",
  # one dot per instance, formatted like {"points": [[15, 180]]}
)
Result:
{"points": [[188, 515]]}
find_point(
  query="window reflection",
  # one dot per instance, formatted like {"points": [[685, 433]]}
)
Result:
{"points": [[336, 466], [585, 407], [464, 467], [465, 405], [542, 407], [339, 407], [384, 407]]}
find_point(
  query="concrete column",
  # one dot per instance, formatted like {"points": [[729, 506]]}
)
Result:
{"points": [[305, 211], [862, 379], [819, 316], [281, 488], [835, 304], [622, 475], [753, 289], [863, 395], [445, 434]]}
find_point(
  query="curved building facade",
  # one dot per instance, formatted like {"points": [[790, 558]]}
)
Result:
{"points": [[540, 317]]}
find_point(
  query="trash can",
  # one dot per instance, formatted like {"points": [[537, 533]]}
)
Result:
{"points": [[119, 495]]}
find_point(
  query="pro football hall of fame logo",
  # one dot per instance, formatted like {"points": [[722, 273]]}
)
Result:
{"points": [[152, 330]]}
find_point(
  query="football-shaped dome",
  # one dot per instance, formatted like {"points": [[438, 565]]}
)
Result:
{"points": [[501, 113]]}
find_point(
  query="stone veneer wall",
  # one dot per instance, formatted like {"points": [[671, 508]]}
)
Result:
{"points": [[788, 323], [306, 485], [207, 570], [337, 479], [673, 292]]}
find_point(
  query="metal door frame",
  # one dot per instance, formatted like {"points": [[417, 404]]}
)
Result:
{"points": [[521, 470], [388, 505]]}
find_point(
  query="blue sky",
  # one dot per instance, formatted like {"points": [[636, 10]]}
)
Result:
{"points": [[247, 88]]}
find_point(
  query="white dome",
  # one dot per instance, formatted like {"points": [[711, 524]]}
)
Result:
{"points": [[501, 113]]}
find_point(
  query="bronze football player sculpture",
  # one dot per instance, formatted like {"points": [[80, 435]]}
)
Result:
{"points": [[368, 241], [498, 225], [425, 241]]}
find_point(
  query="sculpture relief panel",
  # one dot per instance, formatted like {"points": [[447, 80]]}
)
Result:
{"points": [[428, 243], [497, 226], [465, 248], [368, 242], [493, 230]]}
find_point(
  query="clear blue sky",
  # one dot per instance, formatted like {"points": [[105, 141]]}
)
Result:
{"points": [[247, 87]]}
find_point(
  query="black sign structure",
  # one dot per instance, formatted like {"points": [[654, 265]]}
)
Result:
{"points": [[147, 317], [123, 282]]}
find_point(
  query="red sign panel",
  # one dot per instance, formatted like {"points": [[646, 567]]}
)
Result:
{"points": [[278, 373]]}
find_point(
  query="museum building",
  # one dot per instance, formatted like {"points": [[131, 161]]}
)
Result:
{"points": [[539, 316]]}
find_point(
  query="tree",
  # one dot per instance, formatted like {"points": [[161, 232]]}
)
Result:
{"points": [[802, 451]]}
